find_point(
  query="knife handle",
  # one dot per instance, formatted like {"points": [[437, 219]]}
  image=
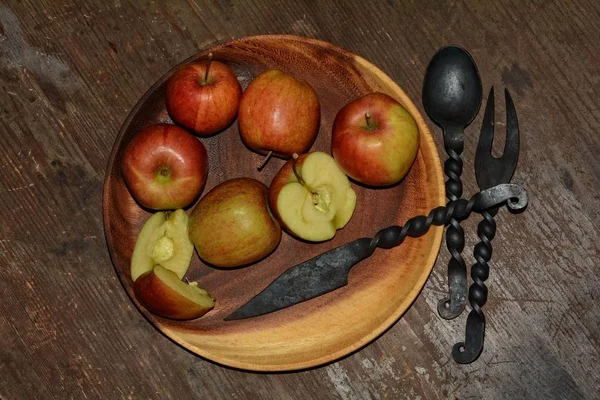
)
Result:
{"points": [[513, 195], [418, 226]]}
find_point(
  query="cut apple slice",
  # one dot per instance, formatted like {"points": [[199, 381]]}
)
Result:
{"points": [[163, 293], [163, 240], [141, 259], [182, 248], [316, 200]]}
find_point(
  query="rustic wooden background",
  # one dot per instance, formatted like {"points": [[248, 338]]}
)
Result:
{"points": [[70, 72]]}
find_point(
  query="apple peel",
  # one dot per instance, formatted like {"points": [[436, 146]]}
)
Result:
{"points": [[163, 293]]}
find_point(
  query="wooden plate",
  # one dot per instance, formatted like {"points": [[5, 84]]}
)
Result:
{"points": [[380, 288]]}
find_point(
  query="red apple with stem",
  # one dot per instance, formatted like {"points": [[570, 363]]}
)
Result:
{"points": [[375, 140], [279, 115], [165, 167], [203, 96]]}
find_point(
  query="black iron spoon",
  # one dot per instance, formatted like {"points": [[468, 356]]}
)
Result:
{"points": [[452, 93]]}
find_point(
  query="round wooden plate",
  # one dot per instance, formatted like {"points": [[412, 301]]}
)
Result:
{"points": [[380, 288]]}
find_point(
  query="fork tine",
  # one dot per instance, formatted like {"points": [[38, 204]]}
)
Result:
{"points": [[490, 170], [486, 139], [487, 128], [511, 146]]}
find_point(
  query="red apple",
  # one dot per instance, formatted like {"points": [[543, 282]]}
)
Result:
{"points": [[279, 114], [165, 167], [203, 97], [375, 140]]}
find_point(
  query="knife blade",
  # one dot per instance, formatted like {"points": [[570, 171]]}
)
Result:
{"points": [[308, 280], [329, 271]]}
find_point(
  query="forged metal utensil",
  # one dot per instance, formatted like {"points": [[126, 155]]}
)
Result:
{"points": [[452, 97], [489, 171], [329, 271]]}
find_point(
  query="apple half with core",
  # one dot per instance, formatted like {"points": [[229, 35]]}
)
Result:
{"points": [[232, 226], [165, 167], [279, 115], [375, 140], [311, 197], [203, 96], [163, 293], [163, 240]]}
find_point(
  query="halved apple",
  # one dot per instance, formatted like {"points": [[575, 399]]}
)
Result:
{"points": [[163, 240], [312, 197], [163, 293]]}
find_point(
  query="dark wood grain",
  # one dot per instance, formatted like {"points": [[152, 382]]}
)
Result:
{"points": [[71, 72]]}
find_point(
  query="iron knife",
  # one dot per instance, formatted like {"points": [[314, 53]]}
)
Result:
{"points": [[329, 271]]}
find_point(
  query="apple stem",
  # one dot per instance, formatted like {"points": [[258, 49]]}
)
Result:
{"points": [[294, 161], [368, 119], [265, 161], [210, 56]]}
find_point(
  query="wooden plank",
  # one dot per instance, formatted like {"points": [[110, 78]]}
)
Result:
{"points": [[71, 71]]}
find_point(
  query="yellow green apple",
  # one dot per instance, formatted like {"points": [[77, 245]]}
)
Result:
{"points": [[231, 226]]}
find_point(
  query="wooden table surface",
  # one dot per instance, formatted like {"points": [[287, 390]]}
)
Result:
{"points": [[72, 70]]}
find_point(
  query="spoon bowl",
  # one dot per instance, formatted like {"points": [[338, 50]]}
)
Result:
{"points": [[452, 88]]}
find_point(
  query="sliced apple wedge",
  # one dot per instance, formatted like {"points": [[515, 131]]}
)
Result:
{"points": [[311, 197], [164, 241], [141, 259], [163, 293], [182, 248]]}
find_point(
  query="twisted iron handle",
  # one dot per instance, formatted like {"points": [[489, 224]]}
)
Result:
{"points": [[514, 195], [417, 226], [469, 350], [451, 306]]}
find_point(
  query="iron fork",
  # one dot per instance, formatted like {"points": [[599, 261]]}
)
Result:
{"points": [[489, 171]]}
